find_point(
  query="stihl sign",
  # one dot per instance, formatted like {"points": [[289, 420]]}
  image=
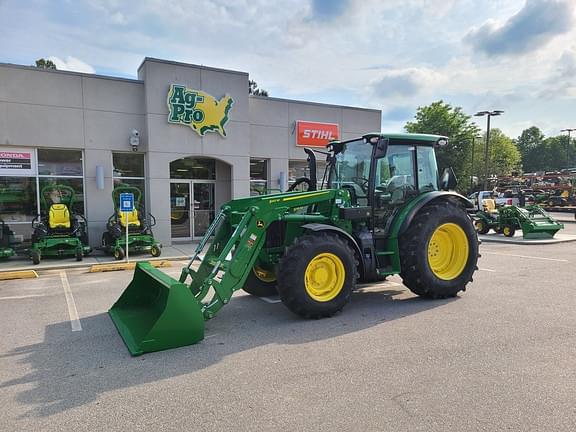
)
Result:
{"points": [[312, 134]]}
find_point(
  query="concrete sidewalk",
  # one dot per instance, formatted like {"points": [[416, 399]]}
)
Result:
{"points": [[178, 251], [519, 239]]}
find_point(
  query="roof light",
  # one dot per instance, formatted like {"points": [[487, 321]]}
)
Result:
{"points": [[442, 142]]}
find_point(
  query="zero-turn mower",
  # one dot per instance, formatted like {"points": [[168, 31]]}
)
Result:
{"points": [[58, 230], [140, 237]]}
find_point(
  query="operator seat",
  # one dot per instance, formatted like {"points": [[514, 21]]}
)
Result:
{"points": [[59, 217], [131, 219], [489, 206]]}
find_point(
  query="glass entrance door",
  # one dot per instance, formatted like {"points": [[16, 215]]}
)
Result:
{"points": [[191, 209], [180, 210], [203, 212]]}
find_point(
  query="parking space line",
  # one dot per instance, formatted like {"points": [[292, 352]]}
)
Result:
{"points": [[72, 311], [524, 256], [21, 297], [487, 270]]}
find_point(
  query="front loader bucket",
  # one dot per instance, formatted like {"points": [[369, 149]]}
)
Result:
{"points": [[540, 230], [157, 312]]}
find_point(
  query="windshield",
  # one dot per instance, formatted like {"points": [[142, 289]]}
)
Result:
{"points": [[353, 166]]}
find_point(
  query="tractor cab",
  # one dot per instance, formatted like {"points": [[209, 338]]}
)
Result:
{"points": [[385, 172]]}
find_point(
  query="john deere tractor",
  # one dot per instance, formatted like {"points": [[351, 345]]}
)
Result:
{"points": [[58, 230], [383, 211], [140, 237]]}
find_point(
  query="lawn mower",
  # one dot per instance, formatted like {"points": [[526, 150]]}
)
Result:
{"points": [[140, 237], [6, 237], [58, 230]]}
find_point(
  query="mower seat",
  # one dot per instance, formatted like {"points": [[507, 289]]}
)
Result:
{"points": [[130, 218], [58, 216]]}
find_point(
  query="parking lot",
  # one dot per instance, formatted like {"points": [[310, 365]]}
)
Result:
{"points": [[498, 357]]}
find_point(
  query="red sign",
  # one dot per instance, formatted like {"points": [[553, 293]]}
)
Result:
{"points": [[312, 134]]}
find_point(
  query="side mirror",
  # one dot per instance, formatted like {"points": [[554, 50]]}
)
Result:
{"points": [[381, 147], [448, 181]]}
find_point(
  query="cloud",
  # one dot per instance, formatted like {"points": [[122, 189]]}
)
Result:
{"points": [[72, 64], [562, 81], [405, 82], [327, 9], [399, 113], [536, 24]]}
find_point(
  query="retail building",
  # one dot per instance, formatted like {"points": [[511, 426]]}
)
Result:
{"points": [[191, 137]]}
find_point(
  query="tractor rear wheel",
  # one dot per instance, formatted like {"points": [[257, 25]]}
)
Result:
{"points": [[317, 275], [439, 251], [261, 282]]}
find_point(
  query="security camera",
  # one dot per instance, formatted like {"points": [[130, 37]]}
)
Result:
{"points": [[134, 139]]}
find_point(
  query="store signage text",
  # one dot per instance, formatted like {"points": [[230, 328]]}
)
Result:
{"points": [[17, 161], [198, 110], [314, 134]]}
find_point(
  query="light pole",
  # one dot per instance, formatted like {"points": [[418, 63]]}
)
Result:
{"points": [[474, 138], [489, 114], [569, 130]]}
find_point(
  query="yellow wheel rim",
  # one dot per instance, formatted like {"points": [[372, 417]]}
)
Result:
{"points": [[324, 277], [506, 231], [479, 225], [263, 274], [448, 251]]}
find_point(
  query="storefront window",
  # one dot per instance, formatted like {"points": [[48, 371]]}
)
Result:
{"points": [[258, 176], [17, 199], [128, 165], [77, 184], [299, 168], [193, 169], [60, 162], [129, 170]]}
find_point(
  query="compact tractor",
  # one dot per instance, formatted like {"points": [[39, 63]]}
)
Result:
{"points": [[140, 237], [384, 211], [58, 230]]}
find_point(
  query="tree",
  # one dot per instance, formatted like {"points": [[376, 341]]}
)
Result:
{"points": [[540, 153], [503, 158], [530, 144], [45, 64], [442, 119], [254, 90]]}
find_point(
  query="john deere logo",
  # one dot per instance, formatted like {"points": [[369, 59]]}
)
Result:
{"points": [[197, 109]]}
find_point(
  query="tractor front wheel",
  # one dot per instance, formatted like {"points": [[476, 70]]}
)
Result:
{"points": [[119, 254], [155, 251], [439, 251], [261, 282], [508, 230], [317, 275], [481, 226], [35, 255]]}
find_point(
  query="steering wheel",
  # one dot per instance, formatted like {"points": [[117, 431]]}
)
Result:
{"points": [[362, 182]]}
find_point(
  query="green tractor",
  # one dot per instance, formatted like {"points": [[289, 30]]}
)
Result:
{"points": [[58, 230], [384, 211], [6, 236], [140, 237]]}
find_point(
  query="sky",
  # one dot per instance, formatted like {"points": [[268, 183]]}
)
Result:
{"points": [[394, 55]]}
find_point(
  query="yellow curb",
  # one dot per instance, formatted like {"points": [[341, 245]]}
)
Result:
{"points": [[97, 268], [18, 274]]}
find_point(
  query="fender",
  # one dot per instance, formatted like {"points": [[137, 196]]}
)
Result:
{"points": [[404, 218], [317, 227]]}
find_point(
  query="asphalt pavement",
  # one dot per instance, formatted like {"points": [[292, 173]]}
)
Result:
{"points": [[498, 357]]}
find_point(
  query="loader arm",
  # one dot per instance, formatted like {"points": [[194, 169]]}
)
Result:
{"points": [[157, 312]]}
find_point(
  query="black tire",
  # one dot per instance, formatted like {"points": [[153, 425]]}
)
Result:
{"points": [[293, 267], [260, 286], [416, 269], [498, 230], [35, 255], [79, 255], [119, 254], [155, 251], [481, 226], [508, 230]]}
